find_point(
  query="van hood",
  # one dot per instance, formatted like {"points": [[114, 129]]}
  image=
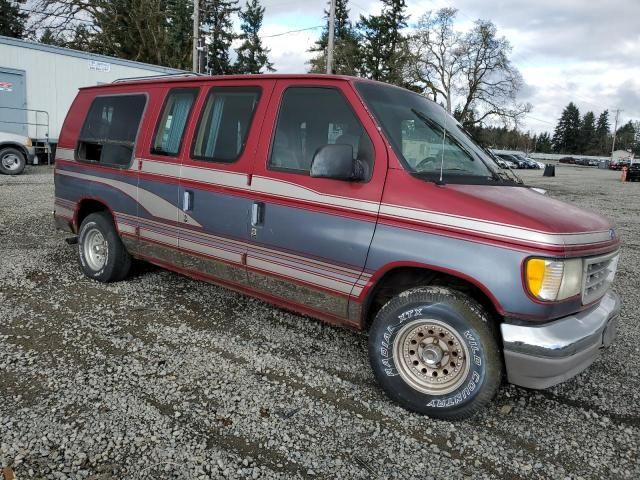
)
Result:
{"points": [[527, 208], [513, 214]]}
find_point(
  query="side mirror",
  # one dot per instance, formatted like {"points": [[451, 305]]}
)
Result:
{"points": [[336, 162]]}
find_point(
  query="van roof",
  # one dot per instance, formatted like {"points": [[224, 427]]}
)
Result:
{"points": [[182, 79]]}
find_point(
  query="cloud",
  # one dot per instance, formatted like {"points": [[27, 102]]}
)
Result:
{"points": [[628, 95]]}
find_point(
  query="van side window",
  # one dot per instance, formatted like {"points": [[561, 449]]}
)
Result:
{"points": [[170, 128], [108, 135], [311, 117], [224, 124]]}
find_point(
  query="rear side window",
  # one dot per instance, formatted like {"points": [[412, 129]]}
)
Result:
{"points": [[170, 128], [224, 124], [310, 118], [108, 135]]}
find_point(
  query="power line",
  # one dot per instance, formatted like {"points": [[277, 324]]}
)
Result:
{"points": [[540, 120], [292, 31]]}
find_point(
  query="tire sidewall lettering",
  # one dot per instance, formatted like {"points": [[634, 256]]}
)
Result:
{"points": [[476, 375]]}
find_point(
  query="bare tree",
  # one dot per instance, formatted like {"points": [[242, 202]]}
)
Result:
{"points": [[436, 62], [470, 70]]}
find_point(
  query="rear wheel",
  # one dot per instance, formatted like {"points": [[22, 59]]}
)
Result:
{"points": [[12, 161], [432, 351], [101, 253]]}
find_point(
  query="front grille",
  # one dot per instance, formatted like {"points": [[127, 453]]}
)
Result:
{"points": [[598, 276]]}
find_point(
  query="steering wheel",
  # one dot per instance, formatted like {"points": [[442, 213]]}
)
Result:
{"points": [[427, 163]]}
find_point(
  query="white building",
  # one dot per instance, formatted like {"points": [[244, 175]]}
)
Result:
{"points": [[38, 82]]}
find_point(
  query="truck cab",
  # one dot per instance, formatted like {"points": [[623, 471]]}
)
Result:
{"points": [[355, 202]]}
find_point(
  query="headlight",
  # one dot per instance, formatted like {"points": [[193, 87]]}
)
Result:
{"points": [[553, 280], [28, 142]]}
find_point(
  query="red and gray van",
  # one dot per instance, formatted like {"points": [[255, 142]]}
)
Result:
{"points": [[352, 201]]}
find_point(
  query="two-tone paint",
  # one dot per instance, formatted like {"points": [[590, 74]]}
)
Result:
{"points": [[321, 245]]}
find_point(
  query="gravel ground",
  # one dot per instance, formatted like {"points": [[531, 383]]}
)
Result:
{"points": [[164, 377]]}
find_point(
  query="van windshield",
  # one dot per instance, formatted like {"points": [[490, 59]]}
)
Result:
{"points": [[415, 127]]}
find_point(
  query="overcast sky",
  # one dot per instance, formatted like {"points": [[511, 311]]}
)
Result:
{"points": [[586, 51]]}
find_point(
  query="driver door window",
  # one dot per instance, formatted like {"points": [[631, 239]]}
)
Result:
{"points": [[310, 118]]}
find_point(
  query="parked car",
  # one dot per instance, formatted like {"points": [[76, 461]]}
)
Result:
{"points": [[517, 162], [540, 164], [619, 164], [529, 163], [15, 151], [633, 174], [354, 202], [569, 160]]}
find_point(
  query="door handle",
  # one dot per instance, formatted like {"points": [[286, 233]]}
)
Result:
{"points": [[257, 213], [187, 201]]}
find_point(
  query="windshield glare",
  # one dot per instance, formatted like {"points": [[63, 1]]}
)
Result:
{"points": [[416, 127]]}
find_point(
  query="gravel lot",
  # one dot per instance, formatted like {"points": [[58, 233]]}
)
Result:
{"points": [[164, 377]]}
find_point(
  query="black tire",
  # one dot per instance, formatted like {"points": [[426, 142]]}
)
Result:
{"points": [[12, 161], [117, 262], [469, 333]]}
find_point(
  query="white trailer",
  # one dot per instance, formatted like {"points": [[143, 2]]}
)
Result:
{"points": [[38, 82]]}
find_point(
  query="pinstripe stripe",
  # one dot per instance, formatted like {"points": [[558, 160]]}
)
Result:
{"points": [[295, 192], [295, 267], [154, 204]]}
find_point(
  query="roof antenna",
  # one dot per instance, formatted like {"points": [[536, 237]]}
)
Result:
{"points": [[444, 135]]}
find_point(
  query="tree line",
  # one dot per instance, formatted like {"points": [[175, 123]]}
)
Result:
{"points": [[573, 135], [583, 134]]}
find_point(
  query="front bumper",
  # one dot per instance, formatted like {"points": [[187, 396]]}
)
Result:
{"points": [[540, 356]]}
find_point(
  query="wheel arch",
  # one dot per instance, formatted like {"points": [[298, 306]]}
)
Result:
{"points": [[397, 277], [87, 206], [17, 146]]}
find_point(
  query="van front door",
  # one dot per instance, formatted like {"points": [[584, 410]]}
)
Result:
{"points": [[309, 237]]}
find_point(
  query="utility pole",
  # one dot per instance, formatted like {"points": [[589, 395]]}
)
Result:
{"points": [[615, 129], [196, 36], [332, 21]]}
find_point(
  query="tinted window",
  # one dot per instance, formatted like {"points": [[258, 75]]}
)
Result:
{"points": [[224, 124], [311, 117], [175, 114], [109, 132]]}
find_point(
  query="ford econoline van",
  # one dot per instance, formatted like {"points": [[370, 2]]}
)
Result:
{"points": [[352, 201]]}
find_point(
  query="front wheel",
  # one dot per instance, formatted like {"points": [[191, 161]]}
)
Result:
{"points": [[101, 253], [433, 352], [12, 161]]}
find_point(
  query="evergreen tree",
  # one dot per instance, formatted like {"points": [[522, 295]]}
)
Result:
{"points": [[384, 48], [346, 51], [566, 136], [588, 141], [626, 137], [50, 38], [602, 133], [81, 39], [179, 34], [216, 19], [252, 56], [544, 144], [12, 20]]}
